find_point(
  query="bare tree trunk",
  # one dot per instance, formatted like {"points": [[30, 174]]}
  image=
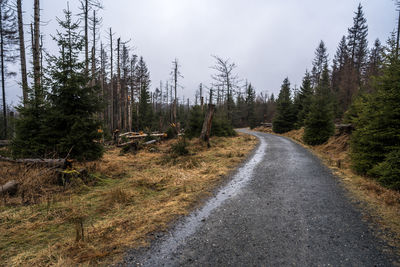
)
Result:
{"points": [[119, 100], [36, 49], [111, 83], [86, 26], [175, 90], [398, 35], [94, 50], [24, 77], [205, 132], [2, 75]]}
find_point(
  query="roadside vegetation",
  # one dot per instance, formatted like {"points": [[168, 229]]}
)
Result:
{"points": [[360, 93], [121, 202]]}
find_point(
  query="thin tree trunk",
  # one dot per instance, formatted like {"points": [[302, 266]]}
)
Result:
{"points": [[111, 84], [36, 49], [398, 36], [2, 75], [119, 99], [85, 19], [94, 50], [24, 76]]}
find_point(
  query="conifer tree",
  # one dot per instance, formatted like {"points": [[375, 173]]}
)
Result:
{"points": [[358, 43], [72, 125], [321, 58], [304, 100], [144, 119], [319, 122], [285, 116], [375, 145], [250, 106]]}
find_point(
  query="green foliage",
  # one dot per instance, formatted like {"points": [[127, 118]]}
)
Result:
{"points": [[146, 114], [221, 126], [285, 117], [65, 121], [304, 100], [319, 122], [195, 124], [387, 172], [250, 106], [171, 132], [375, 143], [180, 148]]}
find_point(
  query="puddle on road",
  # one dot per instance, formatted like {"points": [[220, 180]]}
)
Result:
{"points": [[190, 224]]}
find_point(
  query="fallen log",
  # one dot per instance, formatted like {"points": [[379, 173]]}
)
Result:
{"points": [[150, 142], [56, 163], [132, 142], [10, 187]]}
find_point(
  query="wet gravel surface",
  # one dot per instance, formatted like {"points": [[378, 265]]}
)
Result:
{"points": [[282, 207]]}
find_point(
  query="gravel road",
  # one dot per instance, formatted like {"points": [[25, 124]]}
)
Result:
{"points": [[281, 208]]}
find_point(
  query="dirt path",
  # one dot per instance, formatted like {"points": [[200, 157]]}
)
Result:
{"points": [[282, 207]]}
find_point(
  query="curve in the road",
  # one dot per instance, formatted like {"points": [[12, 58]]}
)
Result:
{"points": [[282, 207]]}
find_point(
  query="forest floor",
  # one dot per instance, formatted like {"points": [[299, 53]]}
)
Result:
{"points": [[125, 199], [382, 204]]}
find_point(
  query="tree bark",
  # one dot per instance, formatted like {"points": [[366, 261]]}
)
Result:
{"points": [[61, 163], [36, 48], [119, 98], [86, 26], [24, 77], [205, 132], [2, 74], [111, 83], [94, 50]]}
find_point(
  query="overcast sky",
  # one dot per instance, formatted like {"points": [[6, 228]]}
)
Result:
{"points": [[267, 39]]}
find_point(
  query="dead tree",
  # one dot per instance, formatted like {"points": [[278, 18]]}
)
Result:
{"points": [[175, 76], [86, 7], [226, 79], [7, 42], [36, 49], [119, 98], [111, 95], [24, 77], [206, 129]]}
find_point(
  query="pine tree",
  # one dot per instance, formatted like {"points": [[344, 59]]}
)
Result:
{"points": [[319, 122], [374, 66], [145, 115], [321, 58], [72, 125], [375, 144], [250, 106], [285, 116], [358, 43], [304, 100]]}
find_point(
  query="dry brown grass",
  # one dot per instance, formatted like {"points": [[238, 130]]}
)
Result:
{"points": [[134, 196], [382, 204]]}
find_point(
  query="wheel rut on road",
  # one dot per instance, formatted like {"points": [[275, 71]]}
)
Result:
{"points": [[282, 207]]}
